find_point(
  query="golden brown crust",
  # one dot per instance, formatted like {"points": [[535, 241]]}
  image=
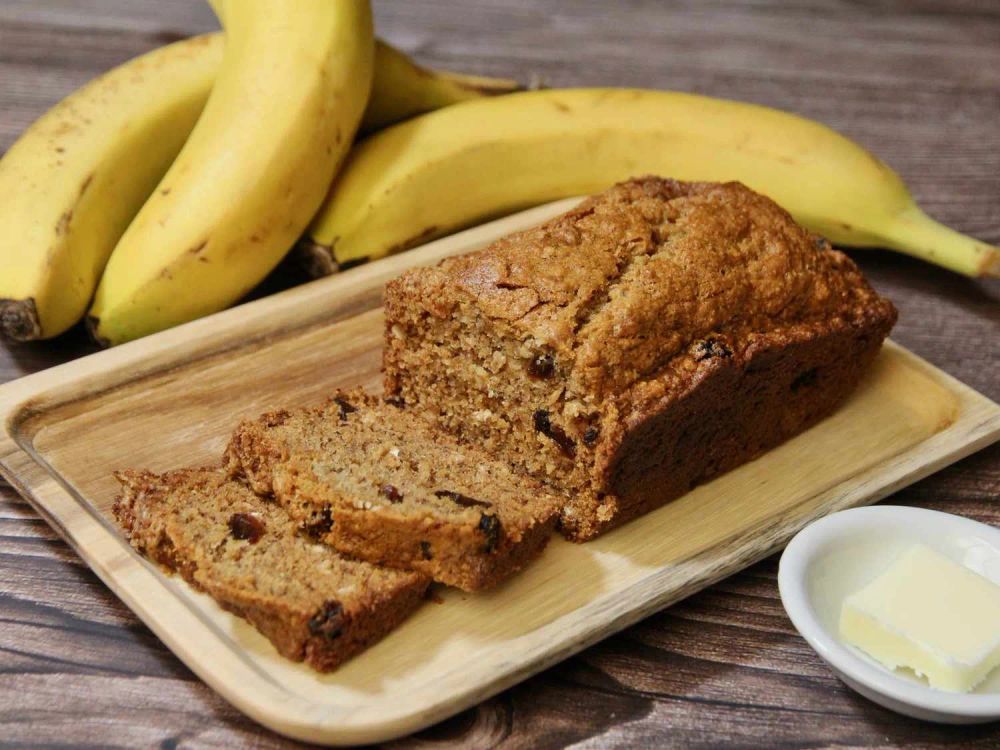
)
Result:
{"points": [[630, 304], [626, 281], [245, 552]]}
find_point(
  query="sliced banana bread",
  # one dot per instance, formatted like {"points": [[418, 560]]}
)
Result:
{"points": [[653, 337], [381, 485], [313, 604]]}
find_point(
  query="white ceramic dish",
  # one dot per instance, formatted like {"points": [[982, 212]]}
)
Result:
{"points": [[837, 555]]}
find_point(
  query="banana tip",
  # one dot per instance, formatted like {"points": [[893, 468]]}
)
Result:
{"points": [[93, 324], [991, 266], [19, 320]]}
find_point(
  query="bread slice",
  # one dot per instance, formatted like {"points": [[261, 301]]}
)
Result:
{"points": [[380, 485], [653, 337], [313, 604]]}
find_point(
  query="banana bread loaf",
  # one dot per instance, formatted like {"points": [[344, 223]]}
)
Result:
{"points": [[653, 337], [380, 485], [313, 605]]}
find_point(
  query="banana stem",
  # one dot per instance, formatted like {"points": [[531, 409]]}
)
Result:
{"points": [[19, 320], [915, 233]]}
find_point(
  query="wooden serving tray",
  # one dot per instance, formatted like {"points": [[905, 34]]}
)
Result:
{"points": [[170, 400]]}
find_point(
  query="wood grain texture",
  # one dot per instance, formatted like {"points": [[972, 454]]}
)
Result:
{"points": [[917, 82]]}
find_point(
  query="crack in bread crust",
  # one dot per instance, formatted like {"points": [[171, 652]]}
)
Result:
{"points": [[620, 296]]}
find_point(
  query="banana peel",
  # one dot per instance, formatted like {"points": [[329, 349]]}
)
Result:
{"points": [[454, 167]]}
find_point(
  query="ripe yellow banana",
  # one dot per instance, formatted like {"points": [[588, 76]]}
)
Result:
{"points": [[453, 167], [290, 92], [74, 180], [78, 175], [289, 95]]}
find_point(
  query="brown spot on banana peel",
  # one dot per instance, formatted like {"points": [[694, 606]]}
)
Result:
{"points": [[19, 320], [990, 266], [62, 225], [194, 250]]}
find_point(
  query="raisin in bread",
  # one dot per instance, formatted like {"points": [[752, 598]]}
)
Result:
{"points": [[653, 337], [313, 604], [379, 484]]}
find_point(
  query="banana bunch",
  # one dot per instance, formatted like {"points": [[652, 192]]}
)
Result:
{"points": [[454, 167], [78, 177], [169, 187]]}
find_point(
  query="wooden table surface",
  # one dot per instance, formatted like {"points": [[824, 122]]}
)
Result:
{"points": [[917, 82]]}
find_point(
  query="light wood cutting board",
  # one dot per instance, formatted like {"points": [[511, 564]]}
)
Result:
{"points": [[170, 400]]}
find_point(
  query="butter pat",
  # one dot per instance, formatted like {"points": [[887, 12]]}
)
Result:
{"points": [[929, 614]]}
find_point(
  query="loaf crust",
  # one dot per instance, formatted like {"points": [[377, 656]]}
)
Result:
{"points": [[381, 485], [313, 604], [653, 337]]}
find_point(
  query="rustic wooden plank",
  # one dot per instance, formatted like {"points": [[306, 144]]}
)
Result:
{"points": [[915, 80], [183, 16]]}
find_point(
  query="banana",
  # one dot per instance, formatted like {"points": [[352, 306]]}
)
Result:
{"points": [[290, 93], [79, 174], [75, 179], [453, 167]]}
